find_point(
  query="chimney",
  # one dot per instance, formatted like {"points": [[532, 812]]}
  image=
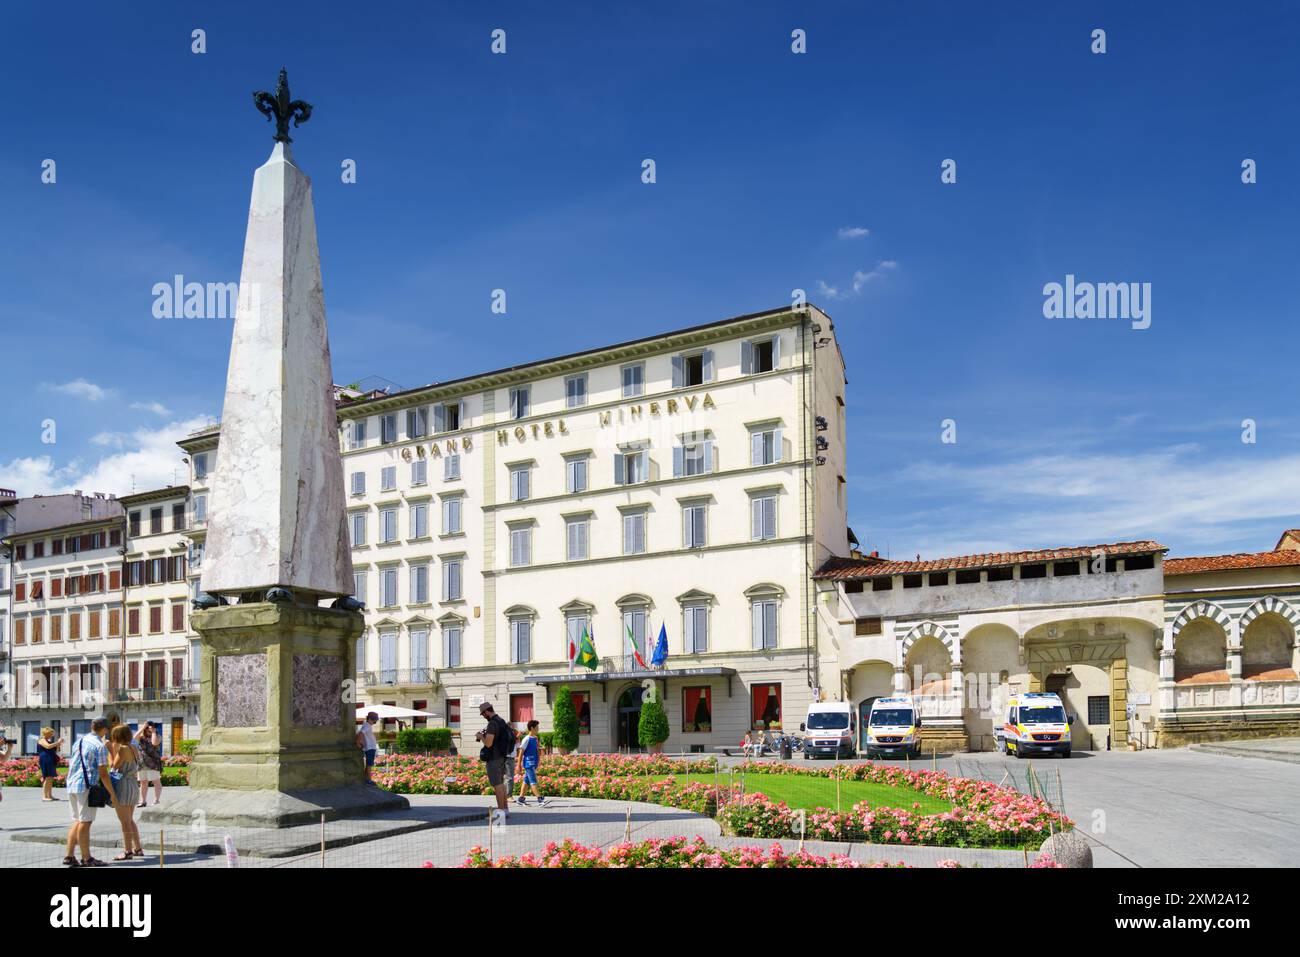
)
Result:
{"points": [[875, 554]]}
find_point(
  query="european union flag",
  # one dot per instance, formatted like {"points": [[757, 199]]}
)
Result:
{"points": [[661, 648]]}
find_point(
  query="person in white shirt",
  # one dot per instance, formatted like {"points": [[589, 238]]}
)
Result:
{"points": [[367, 743]]}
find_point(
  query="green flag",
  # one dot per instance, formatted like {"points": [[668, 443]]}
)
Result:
{"points": [[587, 652]]}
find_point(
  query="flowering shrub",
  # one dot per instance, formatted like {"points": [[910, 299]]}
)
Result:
{"points": [[666, 852], [26, 772]]}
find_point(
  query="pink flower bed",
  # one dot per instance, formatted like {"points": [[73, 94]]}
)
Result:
{"points": [[675, 852]]}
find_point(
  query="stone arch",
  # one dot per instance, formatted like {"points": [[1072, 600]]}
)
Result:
{"points": [[1201, 653], [1277, 606], [927, 629], [1200, 609]]}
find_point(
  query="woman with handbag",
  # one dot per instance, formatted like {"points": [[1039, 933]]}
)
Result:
{"points": [[123, 770], [89, 789], [48, 755]]}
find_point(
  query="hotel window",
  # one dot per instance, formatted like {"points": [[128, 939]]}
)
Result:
{"points": [[634, 624], [419, 472], [451, 650], [74, 625], [196, 659], [697, 709], [574, 627], [519, 402], [359, 590], [361, 652], [693, 369], [765, 446], [133, 621], [358, 529], [419, 654], [38, 628], [420, 583], [575, 534], [388, 478], [20, 631], [155, 619], [56, 627], [448, 417], [633, 380], [575, 473], [521, 545], [693, 457], [453, 712], [451, 524], [631, 467], [762, 512], [357, 437], [388, 428], [582, 705], [178, 616], [694, 528], [38, 589], [520, 476], [201, 465], [178, 517], [94, 622], [695, 629], [419, 520], [451, 580], [760, 355], [417, 422], [451, 468], [763, 623], [575, 391], [634, 532], [387, 525], [114, 623], [766, 706], [388, 657], [155, 521], [387, 587], [521, 640]]}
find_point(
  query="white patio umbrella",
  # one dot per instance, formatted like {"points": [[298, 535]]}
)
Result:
{"points": [[388, 712]]}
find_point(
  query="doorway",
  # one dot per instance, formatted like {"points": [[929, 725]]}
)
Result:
{"points": [[178, 735], [629, 717], [1089, 730]]}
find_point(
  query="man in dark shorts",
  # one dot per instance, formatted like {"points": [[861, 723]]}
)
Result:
{"points": [[492, 756]]}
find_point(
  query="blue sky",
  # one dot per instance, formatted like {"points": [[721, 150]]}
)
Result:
{"points": [[522, 172]]}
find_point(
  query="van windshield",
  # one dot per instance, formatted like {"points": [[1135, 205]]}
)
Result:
{"points": [[891, 716], [827, 720], [1053, 714]]}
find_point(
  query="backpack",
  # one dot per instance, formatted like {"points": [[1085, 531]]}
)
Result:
{"points": [[505, 741]]}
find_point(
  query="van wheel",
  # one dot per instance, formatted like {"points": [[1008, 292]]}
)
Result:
{"points": [[1065, 753]]}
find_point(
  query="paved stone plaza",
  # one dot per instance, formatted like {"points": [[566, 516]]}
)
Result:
{"points": [[1183, 808]]}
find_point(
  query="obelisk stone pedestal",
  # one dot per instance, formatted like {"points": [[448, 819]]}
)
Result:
{"points": [[278, 746]]}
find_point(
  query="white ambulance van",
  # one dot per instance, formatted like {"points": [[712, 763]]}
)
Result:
{"points": [[1035, 723], [894, 728], [830, 730]]}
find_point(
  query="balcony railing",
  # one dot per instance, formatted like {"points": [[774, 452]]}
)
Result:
{"points": [[400, 676]]}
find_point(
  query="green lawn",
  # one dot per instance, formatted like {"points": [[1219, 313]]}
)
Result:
{"points": [[806, 791]]}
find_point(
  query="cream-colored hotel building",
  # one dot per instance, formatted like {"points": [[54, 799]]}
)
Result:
{"points": [[693, 481]]}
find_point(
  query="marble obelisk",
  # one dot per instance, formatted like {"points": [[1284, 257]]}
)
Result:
{"points": [[278, 725]]}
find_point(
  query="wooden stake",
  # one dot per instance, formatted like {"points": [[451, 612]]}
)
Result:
{"points": [[627, 827], [322, 839]]}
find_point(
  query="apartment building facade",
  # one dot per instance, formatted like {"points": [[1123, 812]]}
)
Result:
{"points": [[98, 621], [690, 482]]}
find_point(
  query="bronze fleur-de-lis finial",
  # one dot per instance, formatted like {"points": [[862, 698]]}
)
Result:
{"points": [[281, 108]]}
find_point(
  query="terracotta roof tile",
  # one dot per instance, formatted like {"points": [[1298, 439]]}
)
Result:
{"points": [[1215, 563], [851, 569]]}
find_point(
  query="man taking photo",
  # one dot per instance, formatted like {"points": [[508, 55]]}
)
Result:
{"points": [[498, 739]]}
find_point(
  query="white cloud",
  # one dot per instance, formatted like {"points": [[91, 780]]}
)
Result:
{"points": [[157, 408], [852, 232], [147, 459], [81, 389], [860, 279]]}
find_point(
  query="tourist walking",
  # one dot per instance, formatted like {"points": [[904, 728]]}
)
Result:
{"points": [[530, 753], [124, 770], [89, 788], [498, 740], [150, 763], [47, 754], [367, 743]]}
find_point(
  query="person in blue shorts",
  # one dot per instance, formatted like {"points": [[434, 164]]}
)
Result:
{"points": [[530, 752]]}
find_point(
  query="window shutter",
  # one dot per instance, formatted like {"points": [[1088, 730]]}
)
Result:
{"points": [[619, 477], [769, 517], [708, 455], [700, 519], [638, 527], [678, 456], [177, 665], [678, 376], [644, 474], [460, 414], [708, 365], [756, 448], [746, 357], [756, 519], [776, 352], [756, 624], [776, 445], [769, 621], [439, 419]]}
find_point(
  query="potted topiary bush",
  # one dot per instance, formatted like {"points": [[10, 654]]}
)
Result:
{"points": [[565, 736], [652, 727]]}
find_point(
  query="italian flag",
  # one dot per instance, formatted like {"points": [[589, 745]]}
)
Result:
{"points": [[631, 643]]}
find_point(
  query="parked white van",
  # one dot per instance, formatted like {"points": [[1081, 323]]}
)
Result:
{"points": [[831, 729], [894, 728], [1036, 723]]}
